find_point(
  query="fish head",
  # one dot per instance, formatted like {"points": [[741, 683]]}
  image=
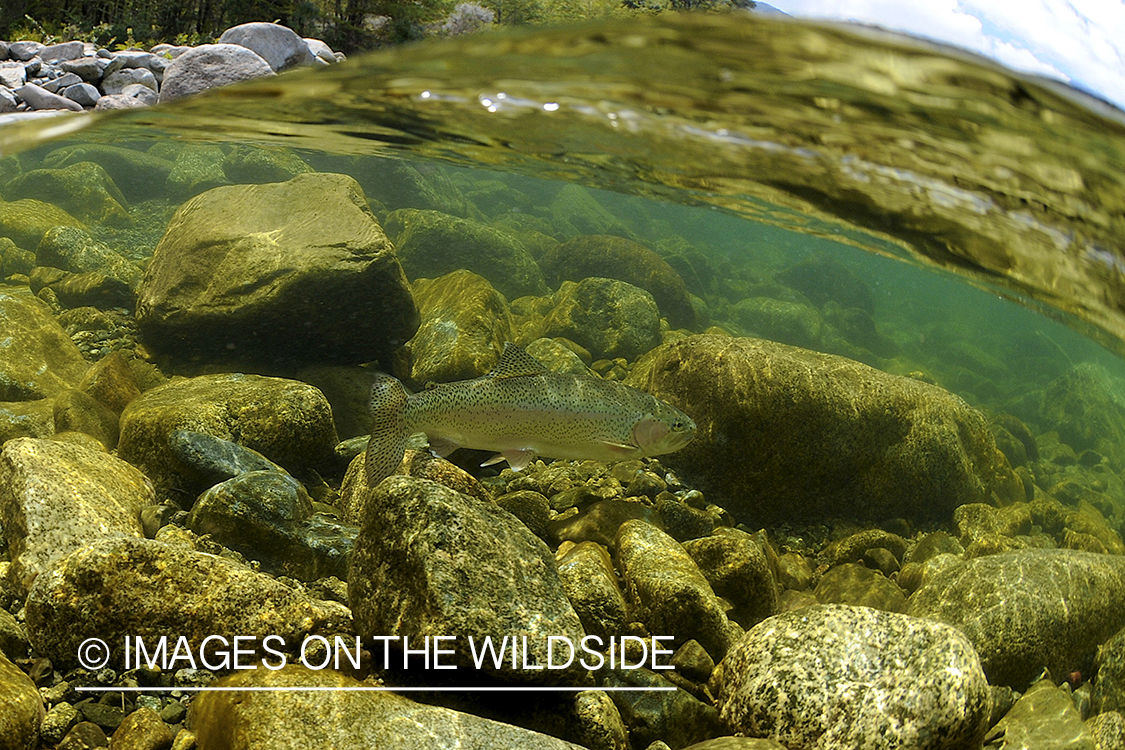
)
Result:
{"points": [[665, 430]]}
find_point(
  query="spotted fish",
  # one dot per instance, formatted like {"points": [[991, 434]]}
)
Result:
{"points": [[522, 410]]}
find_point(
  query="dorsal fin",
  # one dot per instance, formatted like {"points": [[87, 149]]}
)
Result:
{"points": [[515, 362]]}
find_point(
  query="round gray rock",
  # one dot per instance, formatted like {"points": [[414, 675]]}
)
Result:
{"points": [[211, 65], [840, 676], [277, 45]]}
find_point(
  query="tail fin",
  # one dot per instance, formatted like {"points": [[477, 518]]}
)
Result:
{"points": [[388, 429]]}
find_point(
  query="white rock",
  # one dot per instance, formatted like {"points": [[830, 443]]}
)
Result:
{"points": [[116, 81], [279, 46], [211, 65]]}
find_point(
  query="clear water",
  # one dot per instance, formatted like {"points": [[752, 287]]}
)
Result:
{"points": [[984, 211]]}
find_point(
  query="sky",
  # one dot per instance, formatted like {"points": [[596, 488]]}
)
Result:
{"points": [[1081, 42]]}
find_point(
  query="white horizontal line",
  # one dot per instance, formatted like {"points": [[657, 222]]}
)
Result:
{"points": [[365, 688]]}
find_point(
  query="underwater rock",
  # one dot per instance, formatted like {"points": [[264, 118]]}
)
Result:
{"points": [[557, 357], [590, 583], [56, 497], [681, 521], [77, 411], [618, 258], [287, 421], [210, 65], [276, 44], [531, 507], [1045, 716], [345, 719], [858, 328], [89, 289], [857, 585], [13, 259], [38, 359], [268, 517], [27, 419], [432, 244], [143, 729], [785, 434], [739, 571], [26, 221], [1030, 609], [600, 520], [669, 593], [84, 189], [21, 709], [430, 561], [839, 676], [673, 718], [348, 390], [610, 318], [243, 269], [141, 587], [257, 164], [575, 211], [133, 172], [1109, 664], [111, 382], [1082, 407], [823, 279], [465, 323], [196, 169], [213, 460], [73, 249], [397, 184], [778, 320], [1107, 730]]}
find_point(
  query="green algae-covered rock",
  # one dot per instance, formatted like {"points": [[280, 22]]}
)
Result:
{"points": [[610, 318], [297, 271], [590, 583], [342, 718], [134, 172], [111, 382], [430, 561], [778, 320], [37, 358], [196, 169], [1030, 609], [1108, 730], [83, 189], [465, 323], [77, 411], [858, 585], [432, 244], [142, 587], [1045, 716], [658, 716], [840, 676], [786, 434], [669, 593], [143, 729], [287, 421], [14, 259], [55, 497], [27, 419], [1081, 406], [1109, 687], [26, 221], [618, 258], [21, 709], [251, 164], [738, 570], [823, 279], [575, 211], [73, 249]]}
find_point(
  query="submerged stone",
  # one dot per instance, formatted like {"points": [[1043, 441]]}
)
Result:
{"points": [[1045, 716], [778, 320], [840, 676], [430, 561], [73, 249], [133, 172], [345, 719], [25, 221], [786, 434], [738, 570], [243, 269], [1029, 610], [56, 497], [674, 717], [120, 588], [83, 189], [590, 583], [21, 709], [610, 318]]}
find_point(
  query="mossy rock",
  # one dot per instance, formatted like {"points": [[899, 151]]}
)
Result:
{"points": [[83, 189], [133, 172], [823, 279], [618, 258], [37, 357], [257, 164], [789, 435], [610, 318], [778, 320], [26, 221]]}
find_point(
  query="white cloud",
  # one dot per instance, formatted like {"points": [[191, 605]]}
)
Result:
{"points": [[1080, 41]]}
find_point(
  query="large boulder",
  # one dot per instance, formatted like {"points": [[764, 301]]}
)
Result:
{"points": [[339, 713], [287, 421], [608, 317], [839, 676], [37, 358], [430, 561], [73, 249], [276, 44], [134, 172], [25, 221], [55, 497], [618, 258], [210, 65], [465, 323], [21, 709], [84, 189], [119, 588], [433, 244], [298, 270], [1030, 609], [786, 434]]}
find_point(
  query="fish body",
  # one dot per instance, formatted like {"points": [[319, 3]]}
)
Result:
{"points": [[522, 410]]}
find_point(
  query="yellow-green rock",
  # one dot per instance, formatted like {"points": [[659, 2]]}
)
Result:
{"points": [[21, 710], [37, 357], [84, 189], [26, 221]]}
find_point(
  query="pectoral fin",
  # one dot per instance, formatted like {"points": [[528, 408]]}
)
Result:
{"points": [[623, 448], [442, 447], [517, 458]]}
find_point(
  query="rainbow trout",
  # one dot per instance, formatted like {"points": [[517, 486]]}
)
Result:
{"points": [[522, 410]]}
